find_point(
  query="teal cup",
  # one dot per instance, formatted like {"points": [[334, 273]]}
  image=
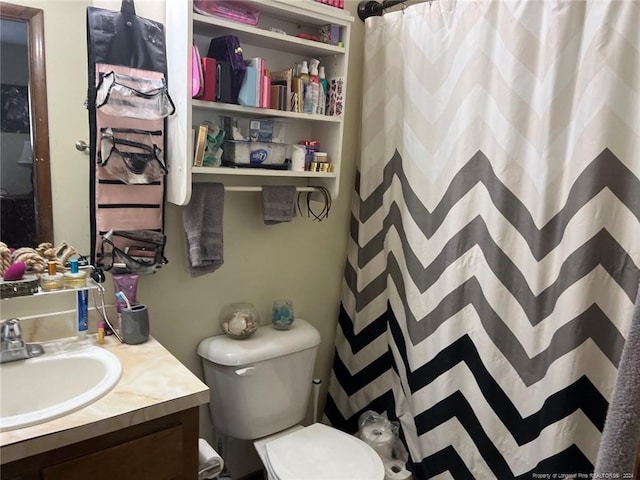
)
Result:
{"points": [[282, 314]]}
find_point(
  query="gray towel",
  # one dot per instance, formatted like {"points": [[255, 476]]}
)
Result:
{"points": [[621, 434], [202, 220], [278, 203]]}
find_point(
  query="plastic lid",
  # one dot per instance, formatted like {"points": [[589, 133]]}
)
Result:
{"points": [[265, 344], [52, 268], [304, 68], [74, 265], [319, 452], [321, 73]]}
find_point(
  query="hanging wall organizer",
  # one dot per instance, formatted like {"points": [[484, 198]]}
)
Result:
{"points": [[128, 103]]}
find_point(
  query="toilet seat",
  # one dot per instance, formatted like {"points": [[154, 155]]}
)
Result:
{"points": [[319, 452]]}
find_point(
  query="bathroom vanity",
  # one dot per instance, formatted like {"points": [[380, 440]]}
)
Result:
{"points": [[145, 427]]}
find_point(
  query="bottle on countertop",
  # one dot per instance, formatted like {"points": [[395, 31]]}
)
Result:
{"points": [[75, 278], [100, 333], [52, 280], [82, 312]]}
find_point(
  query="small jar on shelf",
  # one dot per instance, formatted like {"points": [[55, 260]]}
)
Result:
{"points": [[52, 280], [75, 278]]}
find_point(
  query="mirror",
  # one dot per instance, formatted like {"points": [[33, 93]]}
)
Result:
{"points": [[25, 174]]}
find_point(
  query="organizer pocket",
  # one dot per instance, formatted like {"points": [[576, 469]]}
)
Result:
{"points": [[124, 95], [132, 251], [129, 160]]}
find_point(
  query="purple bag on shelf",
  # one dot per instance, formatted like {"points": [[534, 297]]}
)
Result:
{"points": [[231, 10], [227, 49]]}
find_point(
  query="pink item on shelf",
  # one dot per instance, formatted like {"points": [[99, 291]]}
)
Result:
{"points": [[197, 80], [231, 10], [209, 73]]}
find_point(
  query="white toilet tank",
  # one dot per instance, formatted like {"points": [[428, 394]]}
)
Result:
{"points": [[260, 385]]}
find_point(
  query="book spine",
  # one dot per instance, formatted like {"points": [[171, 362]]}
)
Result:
{"points": [[266, 92], [201, 143], [275, 97]]}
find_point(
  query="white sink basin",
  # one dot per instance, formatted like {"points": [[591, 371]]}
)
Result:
{"points": [[42, 388]]}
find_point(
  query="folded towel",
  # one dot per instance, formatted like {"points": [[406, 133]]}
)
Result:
{"points": [[210, 464], [278, 203], [621, 433], [202, 220]]}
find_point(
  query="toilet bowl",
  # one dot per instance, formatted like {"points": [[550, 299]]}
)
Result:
{"points": [[260, 388], [318, 452]]}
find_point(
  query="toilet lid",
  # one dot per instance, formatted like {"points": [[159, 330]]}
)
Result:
{"points": [[319, 452]]}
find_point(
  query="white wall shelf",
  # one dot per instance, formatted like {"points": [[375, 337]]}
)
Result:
{"points": [[247, 34], [91, 285], [280, 51], [259, 172], [232, 108]]}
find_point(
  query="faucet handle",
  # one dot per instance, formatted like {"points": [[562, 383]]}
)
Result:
{"points": [[11, 330]]}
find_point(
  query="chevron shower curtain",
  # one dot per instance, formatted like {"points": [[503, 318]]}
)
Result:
{"points": [[494, 245]]}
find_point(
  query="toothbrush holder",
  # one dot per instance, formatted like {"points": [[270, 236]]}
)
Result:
{"points": [[135, 324]]}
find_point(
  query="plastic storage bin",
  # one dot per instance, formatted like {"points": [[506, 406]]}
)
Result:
{"points": [[254, 154], [235, 10], [255, 130]]}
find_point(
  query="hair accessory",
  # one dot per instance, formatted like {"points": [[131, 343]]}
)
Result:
{"points": [[324, 213]]}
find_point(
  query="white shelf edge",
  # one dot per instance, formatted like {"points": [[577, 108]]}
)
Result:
{"points": [[262, 34], [262, 112], [91, 285], [257, 172], [303, 7]]}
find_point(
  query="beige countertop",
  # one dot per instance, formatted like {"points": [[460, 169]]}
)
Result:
{"points": [[153, 384]]}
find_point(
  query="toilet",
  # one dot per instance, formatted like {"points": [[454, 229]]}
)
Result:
{"points": [[260, 389]]}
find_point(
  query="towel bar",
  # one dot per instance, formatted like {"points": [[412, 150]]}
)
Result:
{"points": [[230, 188]]}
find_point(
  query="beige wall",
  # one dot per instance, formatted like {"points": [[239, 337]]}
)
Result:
{"points": [[303, 260]]}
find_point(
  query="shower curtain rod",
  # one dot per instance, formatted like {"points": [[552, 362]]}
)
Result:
{"points": [[372, 8]]}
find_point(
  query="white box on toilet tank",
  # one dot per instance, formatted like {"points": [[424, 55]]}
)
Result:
{"points": [[260, 385]]}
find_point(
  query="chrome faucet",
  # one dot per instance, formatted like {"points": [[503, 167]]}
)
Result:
{"points": [[12, 347]]}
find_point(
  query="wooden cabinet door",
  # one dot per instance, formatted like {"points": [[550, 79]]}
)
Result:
{"points": [[157, 456]]}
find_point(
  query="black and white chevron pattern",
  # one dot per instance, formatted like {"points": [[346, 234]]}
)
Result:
{"points": [[494, 254]]}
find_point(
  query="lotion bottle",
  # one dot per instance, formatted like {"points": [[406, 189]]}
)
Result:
{"points": [[323, 92], [307, 96], [314, 86], [304, 73]]}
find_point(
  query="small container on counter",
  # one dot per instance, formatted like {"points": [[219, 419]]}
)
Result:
{"points": [[282, 314], [239, 320], [100, 333], [52, 280], [75, 278]]}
